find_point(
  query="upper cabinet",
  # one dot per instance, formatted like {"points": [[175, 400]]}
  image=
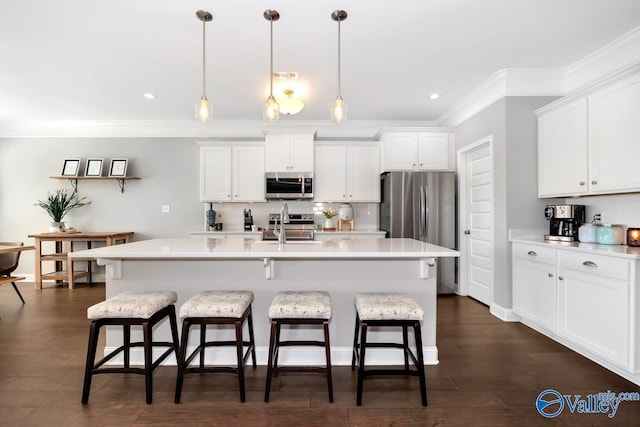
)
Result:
{"points": [[232, 173], [347, 172], [421, 151], [587, 144], [289, 152]]}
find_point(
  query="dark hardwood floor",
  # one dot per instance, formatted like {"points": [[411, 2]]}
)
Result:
{"points": [[490, 373]]}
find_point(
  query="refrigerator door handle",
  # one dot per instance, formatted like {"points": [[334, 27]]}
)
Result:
{"points": [[420, 213], [426, 213]]}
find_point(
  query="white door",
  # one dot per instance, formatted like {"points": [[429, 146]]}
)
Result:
{"points": [[476, 220]]}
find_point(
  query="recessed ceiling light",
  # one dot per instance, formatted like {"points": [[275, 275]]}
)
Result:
{"points": [[434, 96], [149, 95]]}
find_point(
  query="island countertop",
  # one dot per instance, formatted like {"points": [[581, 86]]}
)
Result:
{"points": [[239, 248]]}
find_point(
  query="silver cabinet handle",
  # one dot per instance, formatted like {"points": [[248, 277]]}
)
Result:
{"points": [[589, 264], [532, 253], [550, 274], [594, 182], [581, 182], [560, 278]]}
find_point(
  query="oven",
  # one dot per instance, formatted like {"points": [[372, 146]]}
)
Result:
{"points": [[299, 227]]}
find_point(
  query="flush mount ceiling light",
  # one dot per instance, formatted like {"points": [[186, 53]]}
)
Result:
{"points": [[271, 108], [204, 111], [339, 107], [290, 105], [434, 96]]}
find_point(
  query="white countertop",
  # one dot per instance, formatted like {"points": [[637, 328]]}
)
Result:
{"points": [[239, 248], [621, 251]]}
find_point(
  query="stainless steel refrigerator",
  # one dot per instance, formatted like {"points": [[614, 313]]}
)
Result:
{"points": [[422, 206]]}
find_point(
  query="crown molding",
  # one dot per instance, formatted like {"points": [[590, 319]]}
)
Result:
{"points": [[613, 59], [620, 54], [506, 82], [232, 129]]}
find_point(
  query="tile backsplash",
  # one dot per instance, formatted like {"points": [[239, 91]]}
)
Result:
{"points": [[231, 214], [621, 209]]}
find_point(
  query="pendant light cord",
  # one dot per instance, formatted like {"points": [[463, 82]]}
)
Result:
{"points": [[339, 86], [204, 22], [271, 57]]}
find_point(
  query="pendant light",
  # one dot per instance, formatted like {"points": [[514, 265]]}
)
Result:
{"points": [[339, 107], [271, 108], [204, 111]]}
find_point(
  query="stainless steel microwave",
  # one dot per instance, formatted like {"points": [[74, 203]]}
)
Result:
{"points": [[289, 186]]}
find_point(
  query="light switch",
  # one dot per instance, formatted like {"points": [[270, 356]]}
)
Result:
{"points": [[166, 208]]}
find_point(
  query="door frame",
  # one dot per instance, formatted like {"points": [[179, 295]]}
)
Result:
{"points": [[463, 277]]}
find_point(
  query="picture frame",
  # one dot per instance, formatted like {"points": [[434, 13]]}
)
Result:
{"points": [[93, 167], [118, 167], [71, 167]]}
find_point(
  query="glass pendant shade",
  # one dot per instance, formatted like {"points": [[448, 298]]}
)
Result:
{"points": [[290, 105], [204, 110], [271, 109], [339, 110]]}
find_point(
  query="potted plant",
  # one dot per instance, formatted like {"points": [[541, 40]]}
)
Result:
{"points": [[329, 213], [58, 204]]}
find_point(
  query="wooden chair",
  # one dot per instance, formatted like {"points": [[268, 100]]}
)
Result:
{"points": [[8, 264]]}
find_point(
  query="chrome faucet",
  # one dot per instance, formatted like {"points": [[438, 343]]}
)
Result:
{"points": [[284, 219]]}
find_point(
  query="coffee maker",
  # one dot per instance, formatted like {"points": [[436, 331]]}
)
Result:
{"points": [[564, 221]]}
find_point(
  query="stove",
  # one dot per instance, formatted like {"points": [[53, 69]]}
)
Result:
{"points": [[299, 227]]}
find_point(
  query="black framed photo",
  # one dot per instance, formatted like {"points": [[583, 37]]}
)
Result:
{"points": [[71, 167], [118, 167], [93, 167]]}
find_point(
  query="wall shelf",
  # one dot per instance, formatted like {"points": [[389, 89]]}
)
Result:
{"points": [[74, 180]]}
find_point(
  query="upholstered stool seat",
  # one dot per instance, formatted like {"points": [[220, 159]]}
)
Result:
{"points": [[128, 309], [388, 309], [216, 308], [299, 308]]}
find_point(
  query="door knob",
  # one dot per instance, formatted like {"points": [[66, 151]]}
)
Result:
{"points": [[550, 274]]}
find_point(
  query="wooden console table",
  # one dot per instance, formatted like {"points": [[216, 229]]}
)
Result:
{"points": [[63, 246]]}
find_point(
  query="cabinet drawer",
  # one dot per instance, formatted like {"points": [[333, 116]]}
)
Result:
{"points": [[593, 264], [534, 253]]}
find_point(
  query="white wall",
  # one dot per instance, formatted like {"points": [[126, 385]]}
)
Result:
{"points": [[615, 209], [513, 124]]}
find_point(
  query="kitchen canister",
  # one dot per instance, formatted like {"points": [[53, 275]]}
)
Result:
{"points": [[610, 234], [588, 233], [345, 212]]}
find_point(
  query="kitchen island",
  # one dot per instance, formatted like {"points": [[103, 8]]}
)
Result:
{"points": [[341, 267]]}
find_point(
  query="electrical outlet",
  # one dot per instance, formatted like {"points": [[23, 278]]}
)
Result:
{"points": [[166, 208]]}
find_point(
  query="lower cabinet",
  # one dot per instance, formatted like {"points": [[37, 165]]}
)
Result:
{"points": [[535, 285], [587, 300]]}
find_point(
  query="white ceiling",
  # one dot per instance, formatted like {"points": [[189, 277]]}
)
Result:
{"points": [[89, 60]]}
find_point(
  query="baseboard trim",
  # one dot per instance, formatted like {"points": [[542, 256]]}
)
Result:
{"points": [[504, 314]]}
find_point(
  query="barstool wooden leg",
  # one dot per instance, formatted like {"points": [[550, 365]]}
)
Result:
{"points": [[276, 349], [355, 343], [363, 348], [94, 330], [420, 365], [327, 350], [174, 330], [148, 361], [240, 354], [272, 341], [251, 338], [181, 359], [126, 338], [405, 346], [203, 339]]}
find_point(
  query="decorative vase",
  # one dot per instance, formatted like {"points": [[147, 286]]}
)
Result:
{"points": [[328, 223], [56, 227]]}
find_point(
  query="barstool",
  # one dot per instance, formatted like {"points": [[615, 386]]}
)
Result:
{"points": [[388, 309], [299, 308], [128, 309], [216, 308]]}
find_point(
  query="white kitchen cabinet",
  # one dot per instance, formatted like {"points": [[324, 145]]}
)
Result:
{"points": [[346, 172], [563, 151], [232, 173], [614, 130], [534, 285], [433, 151], [594, 304], [587, 143], [289, 152]]}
